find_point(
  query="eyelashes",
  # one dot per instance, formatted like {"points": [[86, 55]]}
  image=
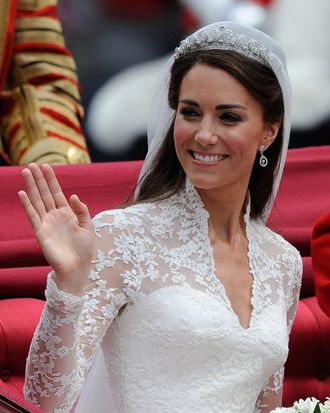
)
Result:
{"points": [[230, 117], [187, 112], [227, 117]]}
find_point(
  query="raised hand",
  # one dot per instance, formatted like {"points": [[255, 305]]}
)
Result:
{"points": [[63, 229]]}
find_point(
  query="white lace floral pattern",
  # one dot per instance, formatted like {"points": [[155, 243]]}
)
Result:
{"points": [[170, 338]]}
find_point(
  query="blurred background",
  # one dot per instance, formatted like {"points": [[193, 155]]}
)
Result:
{"points": [[120, 46]]}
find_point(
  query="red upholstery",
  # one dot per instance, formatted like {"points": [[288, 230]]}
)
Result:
{"points": [[18, 318], [11, 402], [303, 197], [308, 365]]}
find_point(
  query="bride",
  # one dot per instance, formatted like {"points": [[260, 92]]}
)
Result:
{"points": [[184, 300]]}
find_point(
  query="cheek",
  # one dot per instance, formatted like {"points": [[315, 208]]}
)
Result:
{"points": [[182, 132], [236, 141], [242, 141]]}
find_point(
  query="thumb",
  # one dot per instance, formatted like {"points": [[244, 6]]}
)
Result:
{"points": [[81, 211]]}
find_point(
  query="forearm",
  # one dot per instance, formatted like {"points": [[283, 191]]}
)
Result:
{"points": [[271, 395], [267, 404], [52, 372]]}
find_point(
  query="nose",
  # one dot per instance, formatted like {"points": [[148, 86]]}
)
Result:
{"points": [[206, 134]]}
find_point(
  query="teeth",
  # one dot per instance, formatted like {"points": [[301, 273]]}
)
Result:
{"points": [[209, 158]]}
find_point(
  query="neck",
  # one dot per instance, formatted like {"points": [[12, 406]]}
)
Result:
{"points": [[226, 212]]}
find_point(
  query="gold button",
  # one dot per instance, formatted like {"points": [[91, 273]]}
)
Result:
{"points": [[74, 155]]}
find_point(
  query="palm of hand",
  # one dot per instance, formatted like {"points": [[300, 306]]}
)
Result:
{"points": [[63, 229], [65, 244]]}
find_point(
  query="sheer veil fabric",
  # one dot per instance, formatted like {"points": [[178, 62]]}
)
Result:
{"points": [[225, 35]]}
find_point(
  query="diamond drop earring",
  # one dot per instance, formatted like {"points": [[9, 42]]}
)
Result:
{"points": [[263, 161]]}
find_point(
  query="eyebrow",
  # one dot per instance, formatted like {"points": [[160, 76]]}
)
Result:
{"points": [[218, 107]]}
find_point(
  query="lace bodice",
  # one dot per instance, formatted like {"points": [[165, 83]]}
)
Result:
{"points": [[156, 324]]}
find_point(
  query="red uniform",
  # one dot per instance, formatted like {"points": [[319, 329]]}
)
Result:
{"points": [[40, 109], [321, 261]]}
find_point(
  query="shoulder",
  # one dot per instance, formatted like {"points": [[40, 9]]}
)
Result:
{"points": [[147, 222], [278, 248], [121, 219], [118, 233], [140, 213], [282, 260]]}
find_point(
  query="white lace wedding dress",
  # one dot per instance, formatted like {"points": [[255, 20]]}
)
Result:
{"points": [[170, 340]]}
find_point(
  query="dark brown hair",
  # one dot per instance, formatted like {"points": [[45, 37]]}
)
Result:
{"points": [[165, 177]]}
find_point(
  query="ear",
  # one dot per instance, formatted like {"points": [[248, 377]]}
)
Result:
{"points": [[271, 130]]}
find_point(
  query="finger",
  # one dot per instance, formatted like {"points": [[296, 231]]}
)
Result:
{"points": [[31, 213], [81, 211], [54, 186], [33, 192], [45, 194]]}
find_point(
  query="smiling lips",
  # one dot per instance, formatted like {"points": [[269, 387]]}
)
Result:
{"points": [[208, 158]]}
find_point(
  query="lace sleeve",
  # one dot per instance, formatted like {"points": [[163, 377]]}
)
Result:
{"points": [[271, 395], [71, 328]]}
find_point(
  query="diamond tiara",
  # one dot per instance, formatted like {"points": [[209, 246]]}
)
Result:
{"points": [[223, 38]]}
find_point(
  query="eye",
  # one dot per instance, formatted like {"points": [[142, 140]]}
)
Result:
{"points": [[230, 117], [188, 112]]}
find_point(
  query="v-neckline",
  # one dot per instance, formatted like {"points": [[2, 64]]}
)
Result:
{"points": [[224, 293], [213, 275]]}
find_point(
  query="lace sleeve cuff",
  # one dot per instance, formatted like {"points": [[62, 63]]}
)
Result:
{"points": [[60, 300]]}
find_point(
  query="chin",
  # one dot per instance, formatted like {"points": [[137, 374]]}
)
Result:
{"points": [[204, 184]]}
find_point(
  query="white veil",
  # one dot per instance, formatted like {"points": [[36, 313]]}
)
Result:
{"points": [[225, 36]]}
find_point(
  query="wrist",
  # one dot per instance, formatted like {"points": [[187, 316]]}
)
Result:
{"points": [[62, 301], [72, 283]]}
